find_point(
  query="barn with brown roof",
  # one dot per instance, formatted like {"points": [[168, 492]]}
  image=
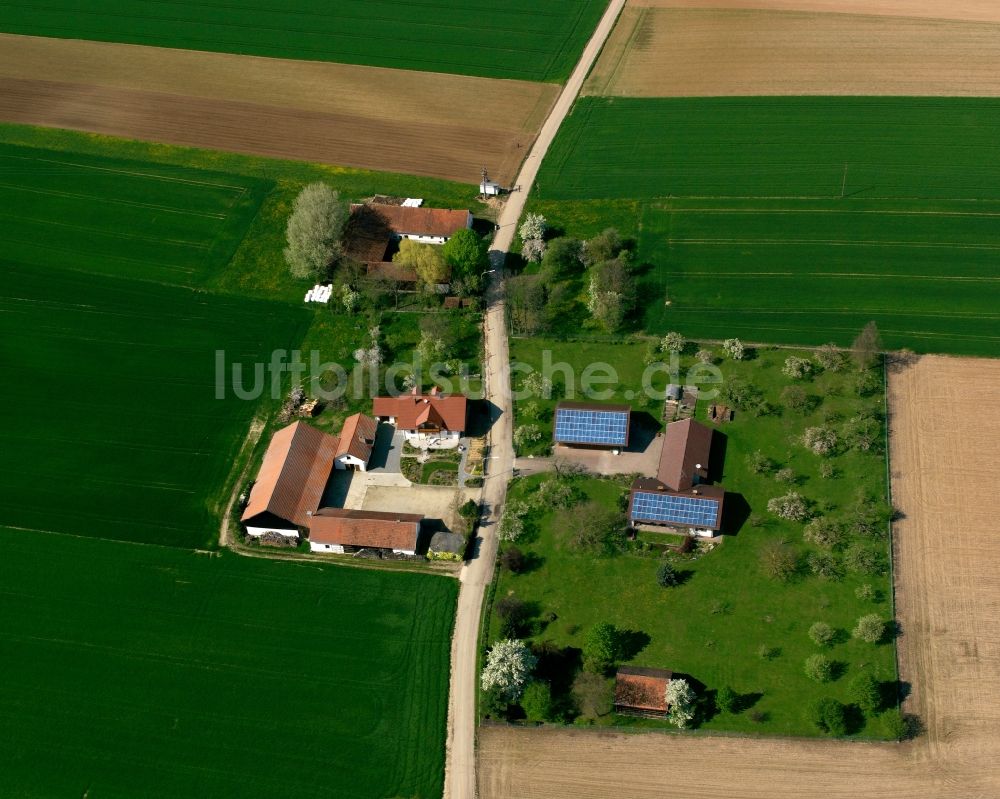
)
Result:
{"points": [[642, 692], [345, 531], [291, 481]]}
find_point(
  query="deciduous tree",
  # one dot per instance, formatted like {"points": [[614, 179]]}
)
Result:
{"points": [[315, 231], [509, 663]]}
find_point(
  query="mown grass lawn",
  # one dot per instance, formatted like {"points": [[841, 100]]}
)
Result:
{"points": [[793, 220], [713, 626]]}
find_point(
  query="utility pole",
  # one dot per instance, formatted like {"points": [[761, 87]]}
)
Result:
{"points": [[482, 185]]}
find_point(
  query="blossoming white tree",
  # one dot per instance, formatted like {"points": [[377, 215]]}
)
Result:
{"points": [[508, 665], [680, 703]]}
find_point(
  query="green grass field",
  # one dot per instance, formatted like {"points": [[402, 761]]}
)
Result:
{"points": [[794, 220], [516, 39], [149, 671], [118, 433], [713, 625]]}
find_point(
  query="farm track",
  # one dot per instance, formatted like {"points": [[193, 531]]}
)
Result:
{"points": [[430, 124], [947, 600]]}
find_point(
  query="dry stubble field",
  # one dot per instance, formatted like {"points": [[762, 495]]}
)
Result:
{"points": [[421, 123], [944, 474], [668, 48]]}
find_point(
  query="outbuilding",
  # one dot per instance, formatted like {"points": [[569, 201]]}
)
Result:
{"points": [[345, 531]]}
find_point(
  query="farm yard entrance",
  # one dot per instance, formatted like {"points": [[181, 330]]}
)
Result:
{"points": [[420, 123], [947, 595]]}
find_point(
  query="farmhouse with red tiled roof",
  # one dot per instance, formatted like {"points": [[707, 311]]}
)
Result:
{"points": [[425, 418]]}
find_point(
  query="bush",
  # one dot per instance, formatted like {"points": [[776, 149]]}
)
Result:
{"points": [[865, 592], [830, 716], [666, 575], [600, 648], [758, 463], [795, 398], [898, 726], [315, 230], [537, 701], [829, 357], [680, 700], [785, 475], [791, 506], [824, 533], [870, 628], [705, 356], [592, 695], [825, 566], [734, 349], [673, 342], [864, 560], [820, 440], [512, 559], [767, 652], [526, 434], [797, 368], [819, 668], [822, 634], [727, 700], [779, 561], [495, 704], [866, 693]]}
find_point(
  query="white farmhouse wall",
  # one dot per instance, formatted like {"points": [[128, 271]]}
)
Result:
{"points": [[404, 551], [336, 548], [346, 461]]}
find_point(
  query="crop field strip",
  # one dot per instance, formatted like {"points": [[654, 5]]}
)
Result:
{"points": [[121, 218], [423, 123], [888, 212], [517, 39], [135, 666], [118, 431], [708, 52]]}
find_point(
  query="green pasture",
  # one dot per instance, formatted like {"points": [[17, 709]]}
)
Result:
{"points": [[150, 671], [516, 39], [712, 627], [794, 220]]}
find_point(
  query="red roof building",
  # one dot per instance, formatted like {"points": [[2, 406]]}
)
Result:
{"points": [[642, 692], [357, 438], [433, 415], [342, 531], [291, 480]]}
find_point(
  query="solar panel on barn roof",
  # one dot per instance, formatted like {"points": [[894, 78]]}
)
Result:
{"points": [[579, 426], [670, 509]]}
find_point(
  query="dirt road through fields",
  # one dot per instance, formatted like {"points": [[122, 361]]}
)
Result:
{"points": [[387, 119], [944, 479], [460, 774]]}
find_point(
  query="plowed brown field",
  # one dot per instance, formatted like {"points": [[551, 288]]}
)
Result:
{"points": [[422, 123], [668, 49], [945, 476]]}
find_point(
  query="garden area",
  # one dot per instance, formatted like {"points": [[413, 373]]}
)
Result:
{"points": [[784, 627], [434, 467]]}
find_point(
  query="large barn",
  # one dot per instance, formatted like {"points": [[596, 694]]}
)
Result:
{"points": [[287, 498]]}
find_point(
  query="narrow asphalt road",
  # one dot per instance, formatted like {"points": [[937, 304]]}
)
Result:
{"points": [[460, 771]]}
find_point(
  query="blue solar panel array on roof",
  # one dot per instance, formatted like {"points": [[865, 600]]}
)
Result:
{"points": [[670, 509], [579, 426]]}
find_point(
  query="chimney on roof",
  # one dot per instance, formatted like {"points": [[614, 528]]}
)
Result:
{"points": [[435, 391], [694, 491]]}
